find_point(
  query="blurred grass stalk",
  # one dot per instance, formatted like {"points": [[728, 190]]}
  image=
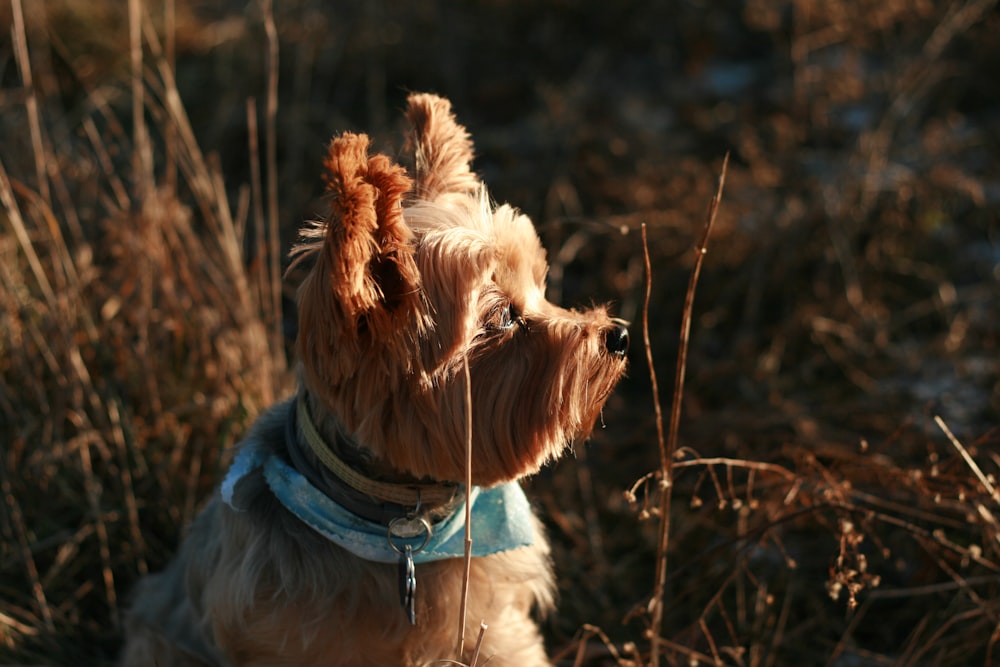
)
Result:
{"points": [[138, 336]]}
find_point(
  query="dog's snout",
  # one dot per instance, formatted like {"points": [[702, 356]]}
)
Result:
{"points": [[616, 340]]}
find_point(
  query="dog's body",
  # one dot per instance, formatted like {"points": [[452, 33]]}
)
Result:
{"points": [[413, 281]]}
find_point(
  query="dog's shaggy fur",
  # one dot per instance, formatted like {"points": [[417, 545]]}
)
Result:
{"points": [[409, 280]]}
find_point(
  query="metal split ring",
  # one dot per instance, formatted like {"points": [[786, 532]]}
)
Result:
{"points": [[408, 527]]}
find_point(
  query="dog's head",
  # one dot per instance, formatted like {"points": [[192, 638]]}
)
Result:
{"points": [[415, 276]]}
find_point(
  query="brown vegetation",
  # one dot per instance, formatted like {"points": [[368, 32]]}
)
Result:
{"points": [[833, 489]]}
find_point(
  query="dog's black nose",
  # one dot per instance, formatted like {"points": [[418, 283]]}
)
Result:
{"points": [[616, 340]]}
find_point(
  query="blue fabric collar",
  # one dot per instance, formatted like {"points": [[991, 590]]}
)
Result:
{"points": [[501, 516]]}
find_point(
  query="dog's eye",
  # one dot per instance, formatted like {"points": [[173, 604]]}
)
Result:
{"points": [[504, 318]]}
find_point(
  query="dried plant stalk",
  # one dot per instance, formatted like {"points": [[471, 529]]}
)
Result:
{"points": [[468, 516], [667, 450]]}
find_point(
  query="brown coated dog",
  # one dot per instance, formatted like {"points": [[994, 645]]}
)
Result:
{"points": [[338, 534]]}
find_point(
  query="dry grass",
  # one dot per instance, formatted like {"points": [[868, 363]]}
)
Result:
{"points": [[833, 483], [135, 350]]}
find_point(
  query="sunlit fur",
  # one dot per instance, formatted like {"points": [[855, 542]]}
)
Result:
{"points": [[412, 275]]}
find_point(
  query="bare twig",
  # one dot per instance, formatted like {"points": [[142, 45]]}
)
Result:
{"points": [[34, 122], [131, 503], [594, 631], [259, 246], [92, 487], [24, 240], [271, 146], [667, 452], [20, 527], [170, 130], [475, 652], [664, 458], [468, 517], [143, 156], [479, 645], [968, 459]]}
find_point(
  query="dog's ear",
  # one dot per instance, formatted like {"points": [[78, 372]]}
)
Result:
{"points": [[441, 147], [364, 259]]}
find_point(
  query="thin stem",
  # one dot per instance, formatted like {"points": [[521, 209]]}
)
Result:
{"points": [[468, 514], [667, 451]]}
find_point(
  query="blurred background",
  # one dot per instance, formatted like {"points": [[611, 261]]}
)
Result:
{"points": [[833, 499]]}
